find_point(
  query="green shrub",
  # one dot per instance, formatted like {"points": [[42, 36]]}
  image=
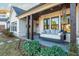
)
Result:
{"points": [[7, 33], [46, 52], [31, 47], [54, 51], [58, 51], [71, 52]]}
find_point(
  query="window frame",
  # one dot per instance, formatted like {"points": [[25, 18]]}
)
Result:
{"points": [[58, 22], [14, 26], [48, 25]]}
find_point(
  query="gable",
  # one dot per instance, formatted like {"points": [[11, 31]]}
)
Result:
{"points": [[17, 10]]}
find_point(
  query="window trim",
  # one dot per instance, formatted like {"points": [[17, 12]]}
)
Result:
{"points": [[45, 25], [58, 21], [14, 26]]}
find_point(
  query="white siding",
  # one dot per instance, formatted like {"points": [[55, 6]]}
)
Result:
{"points": [[21, 25], [22, 28], [14, 19], [40, 26]]}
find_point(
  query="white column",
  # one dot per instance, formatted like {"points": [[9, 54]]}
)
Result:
{"points": [[59, 22], [50, 23], [26, 24], [18, 27], [77, 20]]}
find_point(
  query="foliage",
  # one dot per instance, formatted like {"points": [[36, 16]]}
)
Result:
{"points": [[7, 33], [53, 22], [33, 48], [54, 51], [73, 50], [58, 51], [46, 52], [9, 49]]}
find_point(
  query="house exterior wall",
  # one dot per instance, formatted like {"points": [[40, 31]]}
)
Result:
{"points": [[36, 27], [22, 28], [53, 14], [14, 19], [21, 25], [58, 13]]}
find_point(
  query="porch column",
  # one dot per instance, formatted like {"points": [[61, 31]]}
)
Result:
{"points": [[31, 22], [28, 18], [59, 22], [50, 24], [73, 47]]}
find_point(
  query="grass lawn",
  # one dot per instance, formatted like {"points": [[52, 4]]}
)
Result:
{"points": [[9, 49], [2, 39]]}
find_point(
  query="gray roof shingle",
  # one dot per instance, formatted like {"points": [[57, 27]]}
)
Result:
{"points": [[18, 10]]}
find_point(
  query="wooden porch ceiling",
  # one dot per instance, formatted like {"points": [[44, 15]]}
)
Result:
{"points": [[50, 10], [38, 9]]}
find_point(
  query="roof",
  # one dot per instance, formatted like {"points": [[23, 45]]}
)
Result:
{"points": [[18, 10], [32, 8]]}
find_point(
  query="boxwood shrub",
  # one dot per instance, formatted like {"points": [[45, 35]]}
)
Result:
{"points": [[33, 48], [54, 51], [58, 51], [46, 52]]}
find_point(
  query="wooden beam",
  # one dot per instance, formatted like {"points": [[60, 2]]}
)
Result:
{"points": [[28, 18], [32, 33], [73, 47]]}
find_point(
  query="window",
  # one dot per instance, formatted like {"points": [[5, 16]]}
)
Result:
{"points": [[14, 26], [46, 23], [66, 24], [55, 23]]}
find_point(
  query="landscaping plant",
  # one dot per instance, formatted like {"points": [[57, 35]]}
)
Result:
{"points": [[33, 48]]}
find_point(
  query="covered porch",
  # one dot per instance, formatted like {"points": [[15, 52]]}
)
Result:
{"points": [[33, 16], [42, 23]]}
